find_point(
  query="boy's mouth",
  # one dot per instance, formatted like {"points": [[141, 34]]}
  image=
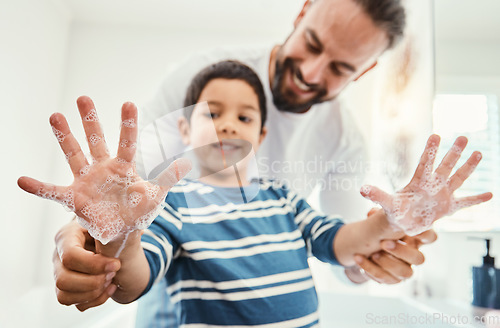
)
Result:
{"points": [[227, 146]]}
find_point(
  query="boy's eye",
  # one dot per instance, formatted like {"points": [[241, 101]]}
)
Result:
{"points": [[245, 119], [212, 115]]}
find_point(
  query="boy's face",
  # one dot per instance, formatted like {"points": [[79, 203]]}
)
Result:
{"points": [[233, 110]]}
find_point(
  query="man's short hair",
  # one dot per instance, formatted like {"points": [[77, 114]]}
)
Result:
{"points": [[227, 69], [388, 15]]}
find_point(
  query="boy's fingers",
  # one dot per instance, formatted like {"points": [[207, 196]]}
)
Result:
{"points": [[451, 158], [59, 194], [470, 201], [377, 196], [457, 179], [92, 127], [425, 166], [128, 133], [173, 173], [70, 147]]}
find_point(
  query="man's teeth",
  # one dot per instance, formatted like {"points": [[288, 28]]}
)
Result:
{"points": [[299, 83]]}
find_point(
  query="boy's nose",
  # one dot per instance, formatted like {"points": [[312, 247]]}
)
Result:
{"points": [[227, 127]]}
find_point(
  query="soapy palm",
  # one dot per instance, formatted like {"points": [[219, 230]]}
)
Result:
{"points": [[108, 196], [429, 195]]}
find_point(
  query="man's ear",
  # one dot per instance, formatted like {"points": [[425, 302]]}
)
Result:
{"points": [[305, 7], [184, 129], [369, 68]]}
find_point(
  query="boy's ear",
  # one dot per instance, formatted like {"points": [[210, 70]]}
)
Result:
{"points": [[263, 134], [184, 129]]}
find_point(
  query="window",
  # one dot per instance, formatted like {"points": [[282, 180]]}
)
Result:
{"points": [[476, 117]]}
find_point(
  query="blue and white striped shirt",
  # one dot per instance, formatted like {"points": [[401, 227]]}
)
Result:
{"points": [[238, 263]]}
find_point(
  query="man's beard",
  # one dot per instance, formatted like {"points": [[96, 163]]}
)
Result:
{"points": [[285, 100]]}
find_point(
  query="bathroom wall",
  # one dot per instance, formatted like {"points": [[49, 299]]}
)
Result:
{"points": [[463, 65], [34, 37]]}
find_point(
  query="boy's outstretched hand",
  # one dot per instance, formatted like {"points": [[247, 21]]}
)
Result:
{"points": [[108, 196], [429, 195]]}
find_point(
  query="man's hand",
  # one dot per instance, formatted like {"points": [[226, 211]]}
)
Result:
{"points": [[394, 263], [82, 277]]}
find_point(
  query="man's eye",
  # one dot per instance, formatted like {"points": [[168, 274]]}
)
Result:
{"points": [[335, 70], [312, 48]]}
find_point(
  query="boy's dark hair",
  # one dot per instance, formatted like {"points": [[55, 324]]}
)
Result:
{"points": [[227, 69]]}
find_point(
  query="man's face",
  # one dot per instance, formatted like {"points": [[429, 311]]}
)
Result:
{"points": [[334, 42]]}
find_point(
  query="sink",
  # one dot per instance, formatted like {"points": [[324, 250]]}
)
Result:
{"points": [[359, 311], [39, 309]]}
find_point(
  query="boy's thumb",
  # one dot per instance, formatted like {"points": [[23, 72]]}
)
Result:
{"points": [[173, 173]]}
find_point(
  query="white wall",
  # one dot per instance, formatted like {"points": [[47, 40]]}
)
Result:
{"points": [[462, 66], [34, 38]]}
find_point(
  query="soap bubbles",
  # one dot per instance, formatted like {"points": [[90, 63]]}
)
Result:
{"points": [[429, 195], [107, 195]]}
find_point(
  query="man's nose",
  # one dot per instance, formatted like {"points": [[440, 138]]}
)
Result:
{"points": [[312, 70]]}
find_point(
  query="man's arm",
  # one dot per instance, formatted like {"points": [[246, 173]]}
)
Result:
{"points": [[82, 277]]}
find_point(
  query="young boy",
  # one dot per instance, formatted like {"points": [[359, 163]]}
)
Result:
{"points": [[228, 262]]}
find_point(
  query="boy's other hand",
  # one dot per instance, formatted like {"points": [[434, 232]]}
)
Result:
{"points": [[82, 277], [430, 194]]}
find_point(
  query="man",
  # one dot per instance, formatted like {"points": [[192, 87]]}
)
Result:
{"points": [[334, 43]]}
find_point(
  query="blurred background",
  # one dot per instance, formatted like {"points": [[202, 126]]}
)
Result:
{"points": [[444, 78]]}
